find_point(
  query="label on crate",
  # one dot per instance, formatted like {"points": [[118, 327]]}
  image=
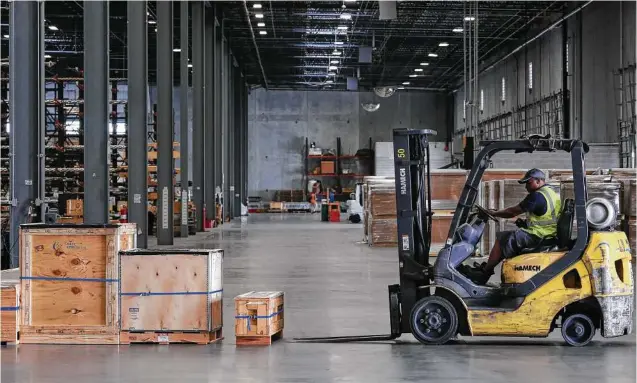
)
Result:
{"points": [[162, 339], [137, 198], [133, 312], [164, 208], [184, 207], [405, 242]]}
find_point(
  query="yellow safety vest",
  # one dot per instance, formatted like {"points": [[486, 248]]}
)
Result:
{"points": [[545, 226]]}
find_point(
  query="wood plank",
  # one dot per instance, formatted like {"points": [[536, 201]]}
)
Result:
{"points": [[30, 338], [202, 337], [9, 315], [258, 340]]}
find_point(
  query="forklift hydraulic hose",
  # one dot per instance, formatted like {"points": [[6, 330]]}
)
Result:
{"points": [[345, 339]]}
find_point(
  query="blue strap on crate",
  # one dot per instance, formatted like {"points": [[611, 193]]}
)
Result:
{"points": [[106, 280], [250, 317], [149, 294], [10, 308]]}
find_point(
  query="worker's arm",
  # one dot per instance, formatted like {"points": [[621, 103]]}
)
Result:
{"points": [[509, 212]]}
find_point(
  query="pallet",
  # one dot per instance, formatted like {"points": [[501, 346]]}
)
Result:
{"points": [[69, 282], [258, 340], [157, 337]]}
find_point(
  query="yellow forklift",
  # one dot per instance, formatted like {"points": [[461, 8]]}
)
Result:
{"points": [[577, 282]]}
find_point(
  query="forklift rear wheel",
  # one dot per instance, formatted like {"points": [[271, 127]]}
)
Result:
{"points": [[433, 320], [578, 330]]}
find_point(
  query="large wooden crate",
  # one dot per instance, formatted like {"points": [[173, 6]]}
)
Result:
{"points": [[447, 184], [69, 276], [9, 312], [258, 317], [171, 296]]}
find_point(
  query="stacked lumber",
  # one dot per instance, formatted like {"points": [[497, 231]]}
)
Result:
{"points": [[258, 317], [9, 312], [171, 296], [68, 285]]}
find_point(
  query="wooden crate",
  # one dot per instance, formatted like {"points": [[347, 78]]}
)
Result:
{"points": [[69, 276], [75, 207], [258, 317], [276, 207], [382, 202], [9, 312], [171, 296], [447, 184]]}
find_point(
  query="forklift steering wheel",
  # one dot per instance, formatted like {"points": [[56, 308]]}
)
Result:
{"points": [[485, 212]]}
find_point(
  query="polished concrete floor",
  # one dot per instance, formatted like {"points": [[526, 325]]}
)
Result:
{"points": [[334, 286]]}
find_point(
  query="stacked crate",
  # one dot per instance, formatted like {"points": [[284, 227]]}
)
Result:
{"points": [[69, 282], [381, 216]]}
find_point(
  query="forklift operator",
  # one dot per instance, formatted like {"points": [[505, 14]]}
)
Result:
{"points": [[542, 207]]}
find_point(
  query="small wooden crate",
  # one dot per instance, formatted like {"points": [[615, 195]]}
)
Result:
{"points": [[258, 317], [171, 296], [9, 312], [69, 282], [75, 207]]}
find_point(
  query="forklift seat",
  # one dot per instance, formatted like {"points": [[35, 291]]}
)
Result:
{"points": [[562, 241]]}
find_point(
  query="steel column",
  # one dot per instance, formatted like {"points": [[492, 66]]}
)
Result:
{"points": [[24, 65], [198, 111], [217, 105], [246, 130], [96, 99], [183, 118], [137, 148], [209, 113], [236, 145], [224, 128], [165, 163]]}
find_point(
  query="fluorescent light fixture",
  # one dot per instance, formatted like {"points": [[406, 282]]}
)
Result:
{"points": [[331, 73], [336, 53], [6, 36], [342, 27], [332, 67], [261, 25], [338, 43], [432, 55], [147, 13], [469, 18], [152, 22], [424, 64], [257, 6], [189, 65], [263, 32], [413, 75], [418, 70], [457, 30], [334, 62], [406, 83], [346, 16], [176, 49], [155, 29], [329, 81], [53, 28], [349, 1], [443, 44], [259, 15], [400, 88], [47, 56]]}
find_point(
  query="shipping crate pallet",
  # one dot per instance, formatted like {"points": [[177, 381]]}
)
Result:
{"points": [[158, 337], [258, 340]]}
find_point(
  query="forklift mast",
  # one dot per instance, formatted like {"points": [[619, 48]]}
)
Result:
{"points": [[413, 208]]}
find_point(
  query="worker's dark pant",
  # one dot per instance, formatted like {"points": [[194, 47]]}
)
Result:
{"points": [[512, 242]]}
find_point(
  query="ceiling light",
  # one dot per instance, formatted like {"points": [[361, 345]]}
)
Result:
{"points": [[342, 27], [433, 55], [334, 62], [406, 83], [259, 15], [424, 64], [331, 73], [329, 81], [261, 25], [263, 32], [47, 56], [152, 22], [413, 75], [469, 18], [147, 13], [349, 1], [6, 36], [400, 88], [189, 65], [458, 30], [53, 28], [338, 43], [176, 49], [155, 29], [346, 16], [332, 67], [336, 53], [418, 70], [256, 6], [443, 44]]}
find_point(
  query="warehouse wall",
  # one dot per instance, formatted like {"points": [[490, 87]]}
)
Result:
{"points": [[603, 27], [279, 122]]}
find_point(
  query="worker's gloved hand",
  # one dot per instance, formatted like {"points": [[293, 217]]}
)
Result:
{"points": [[521, 223]]}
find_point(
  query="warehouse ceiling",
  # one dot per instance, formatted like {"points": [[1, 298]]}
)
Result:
{"points": [[298, 41]]}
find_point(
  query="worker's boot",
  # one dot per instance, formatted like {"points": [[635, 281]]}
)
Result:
{"points": [[479, 275]]}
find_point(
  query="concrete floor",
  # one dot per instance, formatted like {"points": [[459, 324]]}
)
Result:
{"points": [[333, 286]]}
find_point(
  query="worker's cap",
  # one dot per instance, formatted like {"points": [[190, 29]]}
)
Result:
{"points": [[533, 173]]}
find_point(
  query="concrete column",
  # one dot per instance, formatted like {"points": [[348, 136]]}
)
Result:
{"points": [[209, 112], [184, 151], [96, 99], [137, 150], [165, 136], [198, 110], [24, 65]]}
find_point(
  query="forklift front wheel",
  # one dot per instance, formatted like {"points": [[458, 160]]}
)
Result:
{"points": [[578, 330], [433, 320]]}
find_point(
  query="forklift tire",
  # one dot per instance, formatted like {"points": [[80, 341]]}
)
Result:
{"points": [[433, 320], [578, 330]]}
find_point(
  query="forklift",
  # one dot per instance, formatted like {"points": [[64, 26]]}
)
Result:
{"points": [[579, 283]]}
